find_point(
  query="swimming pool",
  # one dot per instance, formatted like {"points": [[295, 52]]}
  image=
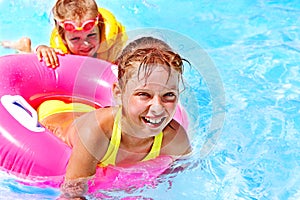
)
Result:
{"points": [[254, 48]]}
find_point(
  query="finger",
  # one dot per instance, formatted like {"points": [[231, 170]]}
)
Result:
{"points": [[55, 59], [59, 51], [51, 61], [46, 57], [51, 58], [47, 61], [39, 55]]}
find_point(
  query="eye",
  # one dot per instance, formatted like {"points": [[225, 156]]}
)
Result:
{"points": [[74, 39], [170, 96], [143, 94], [92, 35]]}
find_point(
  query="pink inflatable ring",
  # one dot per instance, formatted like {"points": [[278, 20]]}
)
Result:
{"points": [[26, 148]]}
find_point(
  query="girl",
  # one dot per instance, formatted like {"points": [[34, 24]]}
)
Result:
{"points": [[140, 127], [81, 28]]}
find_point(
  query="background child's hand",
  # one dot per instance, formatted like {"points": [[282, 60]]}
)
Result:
{"points": [[49, 55]]}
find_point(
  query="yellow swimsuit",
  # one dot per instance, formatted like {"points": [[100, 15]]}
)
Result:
{"points": [[51, 107], [111, 153]]}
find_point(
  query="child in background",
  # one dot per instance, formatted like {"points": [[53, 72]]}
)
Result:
{"points": [[81, 28], [140, 127]]}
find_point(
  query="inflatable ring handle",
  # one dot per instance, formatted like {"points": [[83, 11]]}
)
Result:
{"points": [[22, 111]]}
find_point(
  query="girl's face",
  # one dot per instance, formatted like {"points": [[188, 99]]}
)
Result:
{"points": [[84, 43], [149, 105]]}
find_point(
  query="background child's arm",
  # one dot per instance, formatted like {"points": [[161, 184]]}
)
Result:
{"points": [[49, 55]]}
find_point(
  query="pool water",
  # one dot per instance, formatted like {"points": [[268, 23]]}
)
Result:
{"points": [[242, 93]]}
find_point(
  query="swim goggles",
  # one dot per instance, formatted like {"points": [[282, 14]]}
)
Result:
{"points": [[86, 26]]}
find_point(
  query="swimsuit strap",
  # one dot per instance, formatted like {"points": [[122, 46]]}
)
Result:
{"points": [[111, 153], [155, 150]]}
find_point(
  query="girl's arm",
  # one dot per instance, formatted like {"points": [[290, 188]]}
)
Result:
{"points": [[81, 168], [89, 146]]}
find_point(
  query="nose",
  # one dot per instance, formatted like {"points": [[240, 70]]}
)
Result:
{"points": [[156, 106], [86, 43]]}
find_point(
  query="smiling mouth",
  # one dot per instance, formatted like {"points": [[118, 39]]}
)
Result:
{"points": [[87, 50], [153, 122]]}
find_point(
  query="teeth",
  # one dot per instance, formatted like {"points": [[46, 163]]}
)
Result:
{"points": [[153, 121]]}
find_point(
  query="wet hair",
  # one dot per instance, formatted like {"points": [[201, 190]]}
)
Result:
{"points": [[147, 52], [74, 10]]}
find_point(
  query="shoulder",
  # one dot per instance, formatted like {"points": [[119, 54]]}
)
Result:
{"points": [[94, 130], [101, 117], [176, 141]]}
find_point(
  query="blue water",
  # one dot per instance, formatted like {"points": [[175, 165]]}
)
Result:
{"points": [[243, 95]]}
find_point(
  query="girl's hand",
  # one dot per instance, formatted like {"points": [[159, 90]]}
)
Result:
{"points": [[74, 189], [49, 55]]}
